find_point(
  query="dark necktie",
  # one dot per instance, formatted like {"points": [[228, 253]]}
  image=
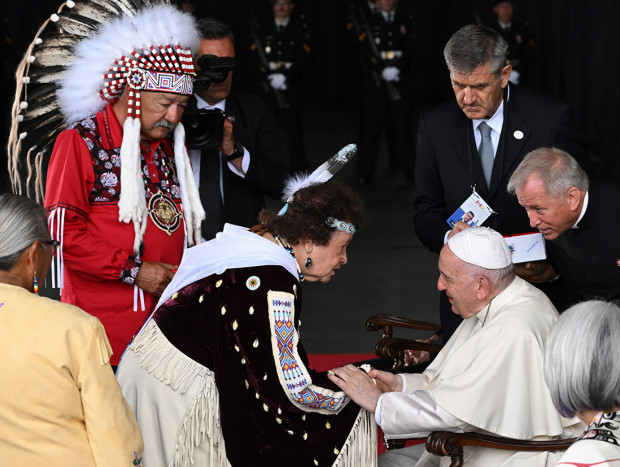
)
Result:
{"points": [[485, 150], [210, 193]]}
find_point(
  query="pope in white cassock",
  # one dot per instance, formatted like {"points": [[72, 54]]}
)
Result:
{"points": [[488, 377]]}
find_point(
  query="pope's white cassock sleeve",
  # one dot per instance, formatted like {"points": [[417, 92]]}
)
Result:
{"points": [[489, 375], [423, 415]]}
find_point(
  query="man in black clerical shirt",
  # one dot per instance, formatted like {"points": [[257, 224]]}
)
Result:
{"points": [[578, 217]]}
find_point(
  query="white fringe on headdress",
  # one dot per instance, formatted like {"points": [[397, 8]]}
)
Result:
{"points": [[190, 197], [132, 201], [201, 421], [295, 183], [321, 174]]}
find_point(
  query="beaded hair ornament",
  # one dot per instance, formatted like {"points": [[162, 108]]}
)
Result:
{"points": [[320, 175]]}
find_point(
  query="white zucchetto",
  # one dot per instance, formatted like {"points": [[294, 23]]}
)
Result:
{"points": [[482, 247]]}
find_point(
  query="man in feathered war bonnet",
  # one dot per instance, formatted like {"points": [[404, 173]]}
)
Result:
{"points": [[120, 194]]}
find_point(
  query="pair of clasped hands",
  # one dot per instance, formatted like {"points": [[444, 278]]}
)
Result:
{"points": [[365, 388]]}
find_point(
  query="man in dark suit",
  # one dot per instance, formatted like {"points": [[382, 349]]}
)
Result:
{"points": [[579, 218], [252, 160], [450, 142]]}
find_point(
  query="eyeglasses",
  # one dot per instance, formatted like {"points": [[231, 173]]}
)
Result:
{"points": [[53, 243]]}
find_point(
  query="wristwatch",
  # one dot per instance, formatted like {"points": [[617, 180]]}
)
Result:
{"points": [[238, 152]]}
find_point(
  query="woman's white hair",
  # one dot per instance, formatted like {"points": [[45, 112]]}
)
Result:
{"points": [[22, 222], [582, 358]]}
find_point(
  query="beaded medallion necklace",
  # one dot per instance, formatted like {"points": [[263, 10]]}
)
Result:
{"points": [[162, 210]]}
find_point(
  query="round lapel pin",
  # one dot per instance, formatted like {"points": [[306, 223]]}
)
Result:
{"points": [[518, 134], [618, 262]]}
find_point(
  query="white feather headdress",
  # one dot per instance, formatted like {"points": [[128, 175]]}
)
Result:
{"points": [[82, 58], [321, 174]]}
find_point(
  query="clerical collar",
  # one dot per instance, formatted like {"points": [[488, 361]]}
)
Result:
{"points": [[481, 316], [583, 210], [202, 104]]}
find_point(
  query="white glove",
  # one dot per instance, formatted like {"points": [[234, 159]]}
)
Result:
{"points": [[514, 77], [390, 73], [277, 81]]}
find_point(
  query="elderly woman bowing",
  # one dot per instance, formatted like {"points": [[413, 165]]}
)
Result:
{"points": [[582, 370], [59, 401], [219, 375]]}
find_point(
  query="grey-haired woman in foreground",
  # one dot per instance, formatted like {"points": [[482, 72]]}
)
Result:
{"points": [[582, 370], [59, 401]]}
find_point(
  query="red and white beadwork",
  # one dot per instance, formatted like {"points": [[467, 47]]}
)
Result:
{"points": [[159, 69]]}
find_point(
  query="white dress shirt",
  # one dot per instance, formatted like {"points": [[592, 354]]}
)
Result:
{"points": [[194, 154]]}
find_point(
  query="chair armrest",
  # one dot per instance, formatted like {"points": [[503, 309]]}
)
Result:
{"points": [[393, 348], [444, 443], [376, 322]]}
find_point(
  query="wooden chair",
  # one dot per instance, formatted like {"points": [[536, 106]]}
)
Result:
{"points": [[393, 348], [443, 443]]}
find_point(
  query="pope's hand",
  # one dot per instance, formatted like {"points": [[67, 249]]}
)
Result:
{"points": [[386, 381], [153, 278], [459, 226], [357, 385], [413, 357]]}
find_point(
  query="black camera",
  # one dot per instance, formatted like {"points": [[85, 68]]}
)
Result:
{"points": [[213, 69], [204, 127]]}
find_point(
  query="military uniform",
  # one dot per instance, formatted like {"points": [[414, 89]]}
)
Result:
{"points": [[521, 46], [386, 102], [286, 50]]}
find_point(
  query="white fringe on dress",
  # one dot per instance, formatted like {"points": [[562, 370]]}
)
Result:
{"points": [[360, 448], [201, 421]]}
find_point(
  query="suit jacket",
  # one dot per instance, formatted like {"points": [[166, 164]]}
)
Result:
{"points": [[589, 257], [256, 129], [442, 176]]}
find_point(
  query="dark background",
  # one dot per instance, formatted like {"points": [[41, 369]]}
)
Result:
{"points": [[577, 55], [389, 271]]}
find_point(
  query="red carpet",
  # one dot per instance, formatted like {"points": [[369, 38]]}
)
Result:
{"points": [[324, 362], [327, 361]]}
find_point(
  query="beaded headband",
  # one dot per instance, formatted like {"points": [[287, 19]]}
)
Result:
{"points": [[160, 69], [340, 225]]}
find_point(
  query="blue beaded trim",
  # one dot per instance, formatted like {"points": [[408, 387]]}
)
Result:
{"points": [[340, 225]]}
